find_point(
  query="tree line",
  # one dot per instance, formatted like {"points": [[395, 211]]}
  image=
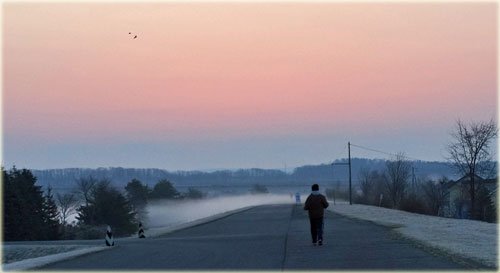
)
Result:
{"points": [[299, 176], [395, 187], [31, 214], [424, 196]]}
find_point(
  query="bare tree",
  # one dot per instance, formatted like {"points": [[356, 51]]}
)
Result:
{"points": [[435, 195], [366, 183], [469, 151], [398, 173], [67, 204], [369, 184], [84, 187]]}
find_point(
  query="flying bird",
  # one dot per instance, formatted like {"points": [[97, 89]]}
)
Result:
{"points": [[135, 36]]}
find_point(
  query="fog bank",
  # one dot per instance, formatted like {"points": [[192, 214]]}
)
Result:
{"points": [[169, 213]]}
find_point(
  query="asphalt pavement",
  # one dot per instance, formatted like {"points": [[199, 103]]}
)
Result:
{"points": [[274, 237]]}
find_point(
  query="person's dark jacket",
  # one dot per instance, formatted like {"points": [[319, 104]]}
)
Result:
{"points": [[316, 204]]}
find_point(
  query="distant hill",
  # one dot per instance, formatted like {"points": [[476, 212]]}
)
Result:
{"points": [[64, 179], [324, 172]]}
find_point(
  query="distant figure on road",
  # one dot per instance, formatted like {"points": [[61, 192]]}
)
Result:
{"points": [[297, 198], [316, 204]]}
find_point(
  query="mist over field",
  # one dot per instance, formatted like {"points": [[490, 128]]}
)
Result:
{"points": [[167, 213]]}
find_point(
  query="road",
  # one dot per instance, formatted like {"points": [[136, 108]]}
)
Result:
{"points": [[266, 238]]}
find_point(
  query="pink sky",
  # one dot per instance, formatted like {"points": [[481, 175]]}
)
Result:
{"points": [[208, 72]]}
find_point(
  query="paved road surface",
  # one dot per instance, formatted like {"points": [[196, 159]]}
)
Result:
{"points": [[265, 238]]}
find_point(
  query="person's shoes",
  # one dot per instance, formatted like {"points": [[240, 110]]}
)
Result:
{"points": [[320, 242], [314, 243]]}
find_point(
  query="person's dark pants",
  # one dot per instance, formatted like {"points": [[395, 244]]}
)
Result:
{"points": [[316, 229]]}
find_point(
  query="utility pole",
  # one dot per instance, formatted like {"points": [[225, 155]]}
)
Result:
{"points": [[350, 185], [348, 163], [413, 179]]}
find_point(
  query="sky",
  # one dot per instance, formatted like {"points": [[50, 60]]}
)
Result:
{"points": [[240, 85]]}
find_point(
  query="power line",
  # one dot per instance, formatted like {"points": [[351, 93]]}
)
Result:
{"points": [[382, 152]]}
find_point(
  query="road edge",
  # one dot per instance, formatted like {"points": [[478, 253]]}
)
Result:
{"points": [[473, 262], [163, 231], [33, 263]]}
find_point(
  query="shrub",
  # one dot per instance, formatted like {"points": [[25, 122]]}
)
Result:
{"points": [[87, 232], [413, 204]]}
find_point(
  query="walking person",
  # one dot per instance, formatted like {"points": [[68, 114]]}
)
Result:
{"points": [[316, 204]]}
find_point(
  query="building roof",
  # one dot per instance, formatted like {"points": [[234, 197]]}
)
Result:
{"points": [[490, 184]]}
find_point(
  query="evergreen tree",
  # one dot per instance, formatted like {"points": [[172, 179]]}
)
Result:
{"points": [[51, 217], [11, 209], [485, 207], [194, 193], [164, 190], [137, 195], [24, 217], [259, 189], [107, 206]]}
